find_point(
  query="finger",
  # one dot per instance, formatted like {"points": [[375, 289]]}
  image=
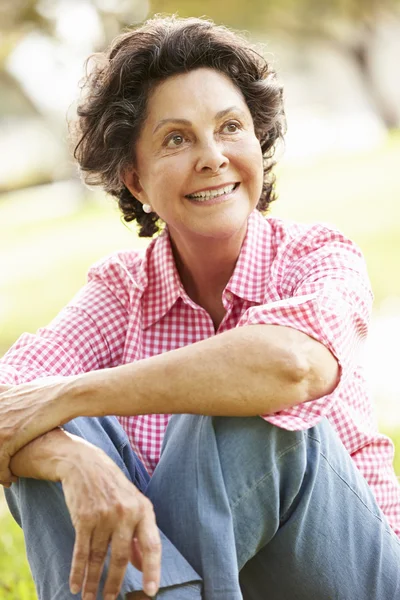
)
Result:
{"points": [[120, 553], [136, 557], [5, 474], [150, 545], [97, 556], [8, 480], [80, 559]]}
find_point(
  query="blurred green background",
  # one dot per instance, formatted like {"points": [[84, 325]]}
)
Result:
{"points": [[338, 61]]}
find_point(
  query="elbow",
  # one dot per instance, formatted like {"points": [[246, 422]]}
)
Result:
{"points": [[318, 379]]}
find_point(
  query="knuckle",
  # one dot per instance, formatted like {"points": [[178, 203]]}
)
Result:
{"points": [[85, 517], [152, 544], [79, 557], [130, 504], [146, 506], [122, 509], [101, 514], [97, 556], [120, 560], [106, 512]]}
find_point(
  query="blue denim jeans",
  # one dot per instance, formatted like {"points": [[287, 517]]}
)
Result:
{"points": [[247, 510]]}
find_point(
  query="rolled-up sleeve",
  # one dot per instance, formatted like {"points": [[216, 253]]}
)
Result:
{"points": [[88, 334], [324, 291]]}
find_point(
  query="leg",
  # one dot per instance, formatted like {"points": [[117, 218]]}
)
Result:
{"points": [[40, 509], [288, 510]]}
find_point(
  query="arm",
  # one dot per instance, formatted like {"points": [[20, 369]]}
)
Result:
{"points": [[287, 351], [243, 372], [105, 507], [83, 337], [282, 354]]}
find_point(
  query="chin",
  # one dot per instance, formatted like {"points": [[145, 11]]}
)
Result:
{"points": [[226, 226]]}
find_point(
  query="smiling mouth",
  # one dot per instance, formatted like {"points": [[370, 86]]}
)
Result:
{"points": [[208, 194]]}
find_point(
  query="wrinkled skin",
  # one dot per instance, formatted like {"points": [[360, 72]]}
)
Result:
{"points": [[26, 412], [108, 510]]}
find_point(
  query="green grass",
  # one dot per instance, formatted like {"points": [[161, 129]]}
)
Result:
{"points": [[44, 264], [15, 577]]}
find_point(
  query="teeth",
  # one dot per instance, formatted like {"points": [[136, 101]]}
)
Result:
{"points": [[212, 193]]}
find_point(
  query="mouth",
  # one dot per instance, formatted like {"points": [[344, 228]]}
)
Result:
{"points": [[210, 194]]}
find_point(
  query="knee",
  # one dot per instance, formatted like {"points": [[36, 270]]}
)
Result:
{"points": [[237, 441], [254, 454], [252, 437]]}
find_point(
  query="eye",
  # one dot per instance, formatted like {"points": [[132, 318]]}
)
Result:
{"points": [[231, 127], [174, 141]]}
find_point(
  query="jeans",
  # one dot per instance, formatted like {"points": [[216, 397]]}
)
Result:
{"points": [[247, 510]]}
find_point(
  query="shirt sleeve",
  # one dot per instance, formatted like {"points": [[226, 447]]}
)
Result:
{"points": [[324, 291], [88, 334]]}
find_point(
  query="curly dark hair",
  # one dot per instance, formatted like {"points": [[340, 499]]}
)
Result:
{"points": [[112, 108]]}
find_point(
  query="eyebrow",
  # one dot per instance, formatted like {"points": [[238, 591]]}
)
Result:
{"points": [[219, 115]]}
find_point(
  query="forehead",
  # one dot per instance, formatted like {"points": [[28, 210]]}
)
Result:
{"points": [[193, 93]]}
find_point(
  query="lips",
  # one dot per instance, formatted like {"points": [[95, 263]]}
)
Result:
{"points": [[213, 192]]}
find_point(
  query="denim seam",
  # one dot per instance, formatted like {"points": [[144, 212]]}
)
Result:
{"points": [[264, 477], [357, 495], [377, 516], [122, 446]]}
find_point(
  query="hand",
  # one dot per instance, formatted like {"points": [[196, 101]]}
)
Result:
{"points": [[9, 478], [26, 412], [108, 510]]}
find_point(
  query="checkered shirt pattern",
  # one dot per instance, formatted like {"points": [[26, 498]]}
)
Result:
{"points": [[308, 277]]}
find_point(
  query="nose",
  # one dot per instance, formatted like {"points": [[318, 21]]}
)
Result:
{"points": [[211, 157]]}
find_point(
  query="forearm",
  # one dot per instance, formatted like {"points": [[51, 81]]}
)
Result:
{"points": [[243, 372], [49, 455]]}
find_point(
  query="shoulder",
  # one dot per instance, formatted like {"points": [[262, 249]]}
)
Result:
{"points": [[125, 265], [121, 274], [295, 241]]}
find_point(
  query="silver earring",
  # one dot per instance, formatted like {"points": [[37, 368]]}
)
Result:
{"points": [[147, 208]]}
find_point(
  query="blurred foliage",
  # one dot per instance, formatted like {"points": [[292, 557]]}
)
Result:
{"points": [[17, 18], [350, 26], [297, 15]]}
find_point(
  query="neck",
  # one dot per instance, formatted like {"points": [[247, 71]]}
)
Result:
{"points": [[206, 266]]}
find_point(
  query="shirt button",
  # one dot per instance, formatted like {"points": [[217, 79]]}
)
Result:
{"points": [[229, 295]]}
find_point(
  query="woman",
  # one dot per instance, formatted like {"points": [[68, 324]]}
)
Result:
{"points": [[227, 316]]}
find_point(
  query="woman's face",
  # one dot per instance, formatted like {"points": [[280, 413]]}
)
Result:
{"points": [[198, 161]]}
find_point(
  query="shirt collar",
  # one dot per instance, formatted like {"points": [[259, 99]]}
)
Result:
{"points": [[164, 286], [249, 276]]}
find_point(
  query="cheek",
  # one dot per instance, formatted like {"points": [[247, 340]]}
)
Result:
{"points": [[250, 158], [167, 175]]}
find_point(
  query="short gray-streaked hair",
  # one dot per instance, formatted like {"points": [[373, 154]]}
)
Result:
{"points": [[114, 98]]}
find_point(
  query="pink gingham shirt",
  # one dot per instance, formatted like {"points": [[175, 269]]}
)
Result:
{"points": [[308, 277]]}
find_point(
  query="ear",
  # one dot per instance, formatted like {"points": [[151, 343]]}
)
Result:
{"points": [[132, 182]]}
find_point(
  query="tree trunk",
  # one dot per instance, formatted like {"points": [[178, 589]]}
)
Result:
{"points": [[360, 50]]}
